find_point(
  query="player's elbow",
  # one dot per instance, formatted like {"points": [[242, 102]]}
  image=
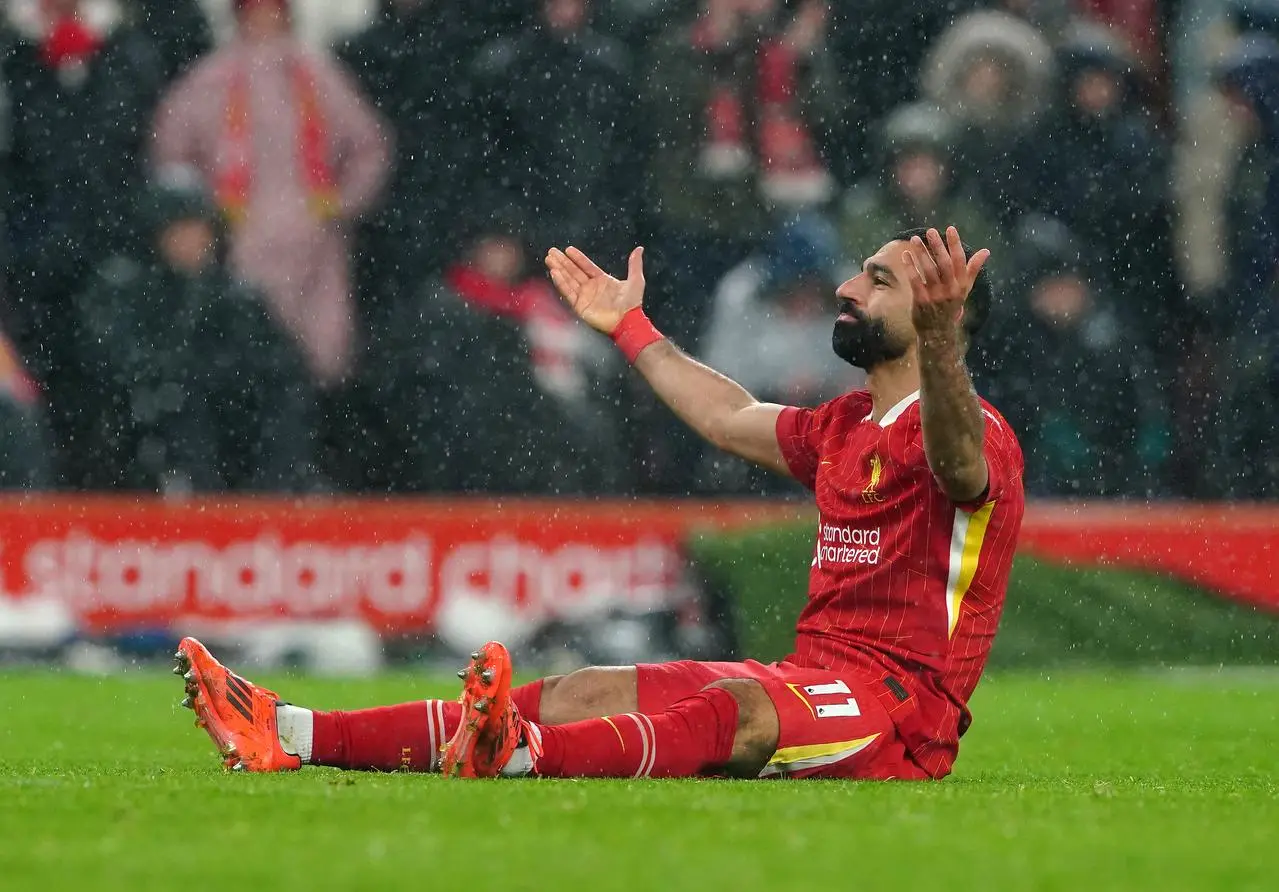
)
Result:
{"points": [[719, 433], [734, 427], [962, 481]]}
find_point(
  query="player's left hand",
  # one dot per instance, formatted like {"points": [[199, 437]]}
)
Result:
{"points": [[940, 277]]}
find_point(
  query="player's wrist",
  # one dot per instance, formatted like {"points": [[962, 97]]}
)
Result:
{"points": [[634, 332], [940, 338]]}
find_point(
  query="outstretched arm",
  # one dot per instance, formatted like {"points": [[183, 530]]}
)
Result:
{"points": [[718, 408], [954, 427], [715, 406]]}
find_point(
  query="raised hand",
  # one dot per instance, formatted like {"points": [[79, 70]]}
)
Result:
{"points": [[599, 299], [941, 278]]}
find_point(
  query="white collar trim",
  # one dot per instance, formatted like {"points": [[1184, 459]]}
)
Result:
{"points": [[896, 411]]}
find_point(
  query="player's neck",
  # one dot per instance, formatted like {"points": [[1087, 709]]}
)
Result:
{"points": [[891, 382]]}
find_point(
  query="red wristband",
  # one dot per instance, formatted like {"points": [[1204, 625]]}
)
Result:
{"points": [[634, 333]]}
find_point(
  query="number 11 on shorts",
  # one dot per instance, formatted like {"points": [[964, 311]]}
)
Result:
{"points": [[848, 709]]}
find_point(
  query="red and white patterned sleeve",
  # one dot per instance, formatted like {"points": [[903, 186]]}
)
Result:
{"points": [[798, 436]]}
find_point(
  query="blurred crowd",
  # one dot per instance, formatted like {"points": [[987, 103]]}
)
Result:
{"points": [[295, 245]]}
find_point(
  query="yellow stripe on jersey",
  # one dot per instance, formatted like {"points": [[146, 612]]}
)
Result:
{"points": [[965, 549], [802, 699], [615, 731], [797, 758]]}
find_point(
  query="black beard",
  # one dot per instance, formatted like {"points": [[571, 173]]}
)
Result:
{"points": [[864, 343]]}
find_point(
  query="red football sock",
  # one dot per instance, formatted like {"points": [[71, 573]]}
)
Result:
{"points": [[692, 737], [405, 737], [527, 699]]}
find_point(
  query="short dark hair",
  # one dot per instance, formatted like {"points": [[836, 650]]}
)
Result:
{"points": [[977, 307]]}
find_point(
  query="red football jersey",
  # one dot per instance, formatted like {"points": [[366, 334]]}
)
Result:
{"points": [[905, 584]]}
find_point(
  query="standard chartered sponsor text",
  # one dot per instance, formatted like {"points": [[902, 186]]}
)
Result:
{"points": [[844, 544]]}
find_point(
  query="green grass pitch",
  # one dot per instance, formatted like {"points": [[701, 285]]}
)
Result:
{"points": [[1078, 781]]}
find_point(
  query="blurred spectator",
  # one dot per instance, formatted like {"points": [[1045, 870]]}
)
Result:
{"points": [[773, 316], [80, 86], [993, 71], [1248, 305], [1250, 79], [738, 115], [487, 383], [1202, 33], [1137, 20], [1097, 164], [178, 29], [1208, 35], [25, 446], [770, 331], [1217, 160], [1069, 375], [294, 154], [413, 62], [1051, 18], [915, 186], [198, 389], [557, 112], [1208, 139], [317, 23], [880, 46], [736, 101], [495, 277]]}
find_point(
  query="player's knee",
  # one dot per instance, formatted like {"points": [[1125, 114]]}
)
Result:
{"points": [[549, 685], [588, 693], [758, 727]]}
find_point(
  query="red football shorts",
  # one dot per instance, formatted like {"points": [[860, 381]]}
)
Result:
{"points": [[832, 723]]}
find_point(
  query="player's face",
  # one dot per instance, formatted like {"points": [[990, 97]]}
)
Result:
{"points": [[874, 324]]}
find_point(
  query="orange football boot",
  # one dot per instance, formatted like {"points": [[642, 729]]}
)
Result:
{"points": [[491, 725], [237, 714]]}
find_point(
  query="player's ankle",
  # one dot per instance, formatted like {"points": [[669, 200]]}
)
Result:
{"points": [[523, 760], [295, 728]]}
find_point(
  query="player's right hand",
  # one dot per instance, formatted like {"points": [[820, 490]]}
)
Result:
{"points": [[599, 299]]}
